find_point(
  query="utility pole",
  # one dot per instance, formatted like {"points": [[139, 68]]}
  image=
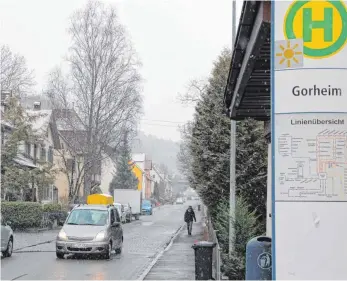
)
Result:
{"points": [[232, 151]]}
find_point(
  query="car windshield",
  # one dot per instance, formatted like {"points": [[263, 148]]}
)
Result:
{"points": [[88, 217]]}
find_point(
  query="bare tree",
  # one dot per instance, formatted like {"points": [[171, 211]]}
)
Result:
{"points": [[104, 79], [59, 90], [194, 91], [14, 73]]}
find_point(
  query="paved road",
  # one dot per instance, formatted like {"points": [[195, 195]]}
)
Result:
{"points": [[143, 240]]}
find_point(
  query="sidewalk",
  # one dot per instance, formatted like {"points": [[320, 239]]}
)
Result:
{"points": [[178, 262], [27, 239]]}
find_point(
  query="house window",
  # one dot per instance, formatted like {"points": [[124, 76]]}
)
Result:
{"points": [[47, 193], [50, 154], [43, 154], [35, 151], [27, 148]]}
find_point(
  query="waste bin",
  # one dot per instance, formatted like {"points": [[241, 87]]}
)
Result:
{"points": [[199, 207], [203, 259], [259, 259]]}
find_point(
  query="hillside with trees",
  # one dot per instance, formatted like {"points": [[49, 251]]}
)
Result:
{"points": [[160, 150]]}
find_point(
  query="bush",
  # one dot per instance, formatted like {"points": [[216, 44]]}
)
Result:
{"points": [[246, 226], [60, 217], [22, 215], [52, 207]]}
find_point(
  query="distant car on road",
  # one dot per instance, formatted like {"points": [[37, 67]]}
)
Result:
{"points": [[6, 238], [179, 201], [120, 209], [146, 207], [91, 229]]}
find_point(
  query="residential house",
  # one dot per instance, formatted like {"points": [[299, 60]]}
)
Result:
{"points": [[166, 186], [6, 130], [145, 164], [37, 154], [72, 157], [155, 176], [42, 152], [139, 174]]}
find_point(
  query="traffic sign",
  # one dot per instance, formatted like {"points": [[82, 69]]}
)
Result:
{"points": [[321, 24]]}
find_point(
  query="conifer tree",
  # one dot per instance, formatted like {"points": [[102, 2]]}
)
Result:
{"points": [[124, 178]]}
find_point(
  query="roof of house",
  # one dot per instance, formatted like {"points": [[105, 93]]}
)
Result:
{"points": [[44, 119], [23, 161], [67, 119], [70, 127], [247, 93], [76, 140], [41, 119]]}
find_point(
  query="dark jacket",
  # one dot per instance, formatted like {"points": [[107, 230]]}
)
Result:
{"points": [[189, 216]]}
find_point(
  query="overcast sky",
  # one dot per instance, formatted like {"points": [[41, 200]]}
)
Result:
{"points": [[176, 40]]}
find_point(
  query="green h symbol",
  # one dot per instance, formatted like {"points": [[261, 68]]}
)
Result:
{"points": [[326, 24]]}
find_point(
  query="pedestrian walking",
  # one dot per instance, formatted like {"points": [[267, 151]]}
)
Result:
{"points": [[189, 216]]}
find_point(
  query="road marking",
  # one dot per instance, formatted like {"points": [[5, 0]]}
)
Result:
{"points": [[30, 246], [20, 276]]}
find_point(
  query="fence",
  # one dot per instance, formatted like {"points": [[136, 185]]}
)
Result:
{"points": [[211, 235]]}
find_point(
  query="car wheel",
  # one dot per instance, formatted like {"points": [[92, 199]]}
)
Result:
{"points": [[137, 217], [118, 251], [9, 250], [59, 255], [109, 251]]}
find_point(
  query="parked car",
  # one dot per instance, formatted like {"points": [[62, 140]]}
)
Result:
{"points": [[146, 207], [127, 212], [120, 209], [91, 229], [179, 200], [6, 239]]}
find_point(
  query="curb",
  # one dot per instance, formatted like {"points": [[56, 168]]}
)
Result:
{"points": [[158, 256], [33, 245], [37, 230]]}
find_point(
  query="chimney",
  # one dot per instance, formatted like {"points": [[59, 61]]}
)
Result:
{"points": [[37, 105]]}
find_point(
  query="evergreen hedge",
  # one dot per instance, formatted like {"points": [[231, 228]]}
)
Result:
{"points": [[52, 207], [22, 215]]}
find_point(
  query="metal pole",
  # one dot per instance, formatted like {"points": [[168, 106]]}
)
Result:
{"points": [[232, 151]]}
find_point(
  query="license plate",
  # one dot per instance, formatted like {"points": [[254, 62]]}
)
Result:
{"points": [[80, 245]]}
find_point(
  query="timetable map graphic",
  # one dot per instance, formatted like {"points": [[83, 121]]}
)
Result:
{"points": [[312, 167]]}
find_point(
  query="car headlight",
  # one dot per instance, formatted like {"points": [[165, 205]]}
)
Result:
{"points": [[100, 236], [62, 235]]}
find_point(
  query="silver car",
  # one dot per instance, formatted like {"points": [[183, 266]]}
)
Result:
{"points": [[91, 229], [6, 239], [120, 209]]}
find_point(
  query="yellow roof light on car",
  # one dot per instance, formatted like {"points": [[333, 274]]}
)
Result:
{"points": [[100, 199]]}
